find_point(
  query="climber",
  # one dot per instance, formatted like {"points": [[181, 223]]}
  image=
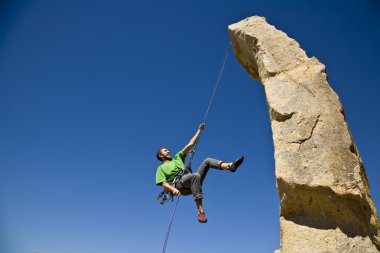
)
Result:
{"points": [[190, 183]]}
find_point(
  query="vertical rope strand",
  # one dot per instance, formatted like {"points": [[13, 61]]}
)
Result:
{"points": [[216, 86], [217, 83], [170, 226]]}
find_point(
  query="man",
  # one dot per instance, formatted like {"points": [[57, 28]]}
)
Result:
{"points": [[192, 182]]}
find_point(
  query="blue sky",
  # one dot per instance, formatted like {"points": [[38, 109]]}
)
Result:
{"points": [[90, 89]]}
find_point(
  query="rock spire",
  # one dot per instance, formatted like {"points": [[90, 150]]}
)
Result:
{"points": [[324, 194]]}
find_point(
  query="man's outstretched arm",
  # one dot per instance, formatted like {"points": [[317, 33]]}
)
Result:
{"points": [[193, 140]]}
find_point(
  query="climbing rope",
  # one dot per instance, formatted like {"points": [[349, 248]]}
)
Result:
{"points": [[216, 86], [170, 226], [192, 152], [217, 82]]}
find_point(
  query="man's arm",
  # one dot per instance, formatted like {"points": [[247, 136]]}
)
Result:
{"points": [[193, 140], [170, 188]]}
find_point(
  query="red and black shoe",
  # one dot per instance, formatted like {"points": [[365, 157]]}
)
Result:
{"points": [[202, 217], [235, 164]]}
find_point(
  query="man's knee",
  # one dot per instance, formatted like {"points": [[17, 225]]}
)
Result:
{"points": [[211, 162], [208, 160], [198, 196], [196, 177]]}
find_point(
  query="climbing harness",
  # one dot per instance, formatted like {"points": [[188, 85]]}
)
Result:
{"points": [[167, 195]]}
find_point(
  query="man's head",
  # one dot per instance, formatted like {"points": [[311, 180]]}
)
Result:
{"points": [[163, 154]]}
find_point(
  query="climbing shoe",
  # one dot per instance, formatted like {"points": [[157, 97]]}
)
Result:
{"points": [[235, 164], [202, 217]]}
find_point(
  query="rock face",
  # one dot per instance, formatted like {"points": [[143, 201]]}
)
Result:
{"points": [[326, 205]]}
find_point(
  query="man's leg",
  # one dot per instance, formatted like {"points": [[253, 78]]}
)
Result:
{"points": [[211, 163], [202, 172], [193, 181]]}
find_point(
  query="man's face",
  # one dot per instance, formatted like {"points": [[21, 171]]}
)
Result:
{"points": [[165, 153]]}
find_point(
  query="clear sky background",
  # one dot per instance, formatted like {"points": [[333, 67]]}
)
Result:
{"points": [[90, 89]]}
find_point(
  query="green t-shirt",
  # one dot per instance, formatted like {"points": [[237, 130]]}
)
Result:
{"points": [[166, 172]]}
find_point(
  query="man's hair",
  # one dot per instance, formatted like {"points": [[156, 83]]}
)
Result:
{"points": [[159, 153]]}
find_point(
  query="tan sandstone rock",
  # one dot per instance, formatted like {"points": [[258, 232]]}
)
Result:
{"points": [[326, 205]]}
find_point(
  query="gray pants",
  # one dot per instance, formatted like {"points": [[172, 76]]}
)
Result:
{"points": [[192, 183]]}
